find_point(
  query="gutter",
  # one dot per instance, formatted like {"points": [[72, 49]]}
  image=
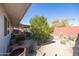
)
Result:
{"points": [[24, 14]]}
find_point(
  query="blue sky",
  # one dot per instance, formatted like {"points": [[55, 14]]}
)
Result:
{"points": [[53, 11]]}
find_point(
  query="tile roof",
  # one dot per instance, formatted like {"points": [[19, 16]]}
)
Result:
{"points": [[66, 31]]}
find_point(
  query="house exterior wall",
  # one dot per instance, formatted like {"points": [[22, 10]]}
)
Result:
{"points": [[1, 26], [4, 40], [3, 13], [11, 13]]}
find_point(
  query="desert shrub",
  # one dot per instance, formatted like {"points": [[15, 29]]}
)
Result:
{"points": [[63, 41], [72, 38]]}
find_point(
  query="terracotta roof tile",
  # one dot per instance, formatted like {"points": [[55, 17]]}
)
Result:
{"points": [[67, 31]]}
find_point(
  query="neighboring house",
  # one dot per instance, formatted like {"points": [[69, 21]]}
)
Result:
{"points": [[22, 27], [10, 17], [66, 31]]}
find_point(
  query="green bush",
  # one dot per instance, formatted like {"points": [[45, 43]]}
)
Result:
{"points": [[40, 29], [72, 38], [63, 41], [19, 38]]}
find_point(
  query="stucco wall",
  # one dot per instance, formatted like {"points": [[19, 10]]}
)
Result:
{"points": [[4, 40], [3, 13], [1, 26]]}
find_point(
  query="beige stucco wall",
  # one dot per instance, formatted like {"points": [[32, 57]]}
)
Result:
{"points": [[13, 18], [4, 40], [1, 26], [3, 13]]}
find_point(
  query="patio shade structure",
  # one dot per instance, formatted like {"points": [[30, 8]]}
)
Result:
{"points": [[15, 11]]}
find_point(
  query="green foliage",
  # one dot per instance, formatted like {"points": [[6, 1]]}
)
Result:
{"points": [[27, 29], [40, 29], [60, 23], [72, 38], [65, 22], [65, 39], [19, 38]]}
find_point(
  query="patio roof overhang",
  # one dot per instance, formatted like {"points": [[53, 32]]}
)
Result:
{"points": [[16, 11]]}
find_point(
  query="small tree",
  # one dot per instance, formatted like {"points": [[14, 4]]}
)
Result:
{"points": [[40, 29], [60, 23]]}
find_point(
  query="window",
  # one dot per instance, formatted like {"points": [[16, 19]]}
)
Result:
{"points": [[5, 26], [8, 27]]}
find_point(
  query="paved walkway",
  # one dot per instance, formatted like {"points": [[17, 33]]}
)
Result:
{"points": [[55, 49]]}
